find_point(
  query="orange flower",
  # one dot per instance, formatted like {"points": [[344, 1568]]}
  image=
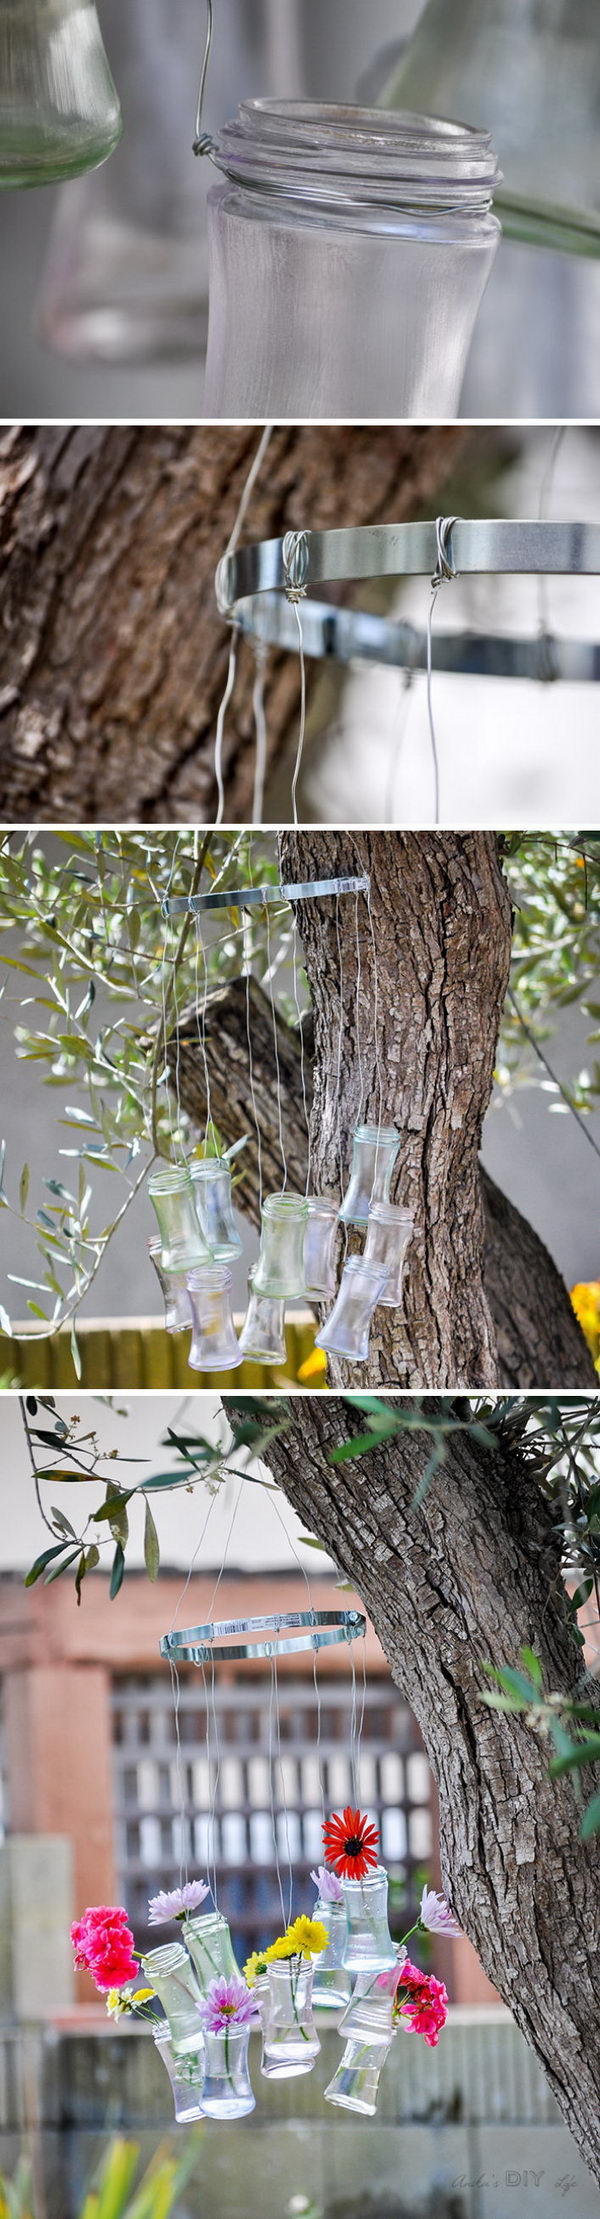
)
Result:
{"points": [[350, 1843]]}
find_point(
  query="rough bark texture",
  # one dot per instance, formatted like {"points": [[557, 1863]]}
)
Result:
{"points": [[112, 654], [538, 1339], [466, 1580]]}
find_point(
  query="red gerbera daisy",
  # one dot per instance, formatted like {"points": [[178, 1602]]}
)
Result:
{"points": [[350, 1843]]}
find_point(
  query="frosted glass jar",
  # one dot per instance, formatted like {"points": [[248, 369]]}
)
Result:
{"points": [[320, 1247], [389, 1232], [59, 112], [208, 1939], [374, 1152], [186, 2075], [280, 1267], [347, 1331], [215, 1346], [173, 1200], [211, 1181], [262, 1338], [173, 1286], [172, 1976], [348, 256], [369, 1946]]}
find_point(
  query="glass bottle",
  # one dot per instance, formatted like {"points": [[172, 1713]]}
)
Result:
{"points": [[172, 1976], [355, 2085], [332, 1985], [59, 112], [186, 2075], [348, 257], [320, 1246], [173, 1199], [280, 1266], [208, 1939], [369, 2013], [389, 1232], [262, 1338], [347, 1330], [211, 1180], [215, 1346], [374, 1152], [227, 2091], [290, 2039], [369, 1946], [173, 1286]]}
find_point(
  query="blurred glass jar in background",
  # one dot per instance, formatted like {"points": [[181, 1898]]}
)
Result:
{"points": [[59, 112]]}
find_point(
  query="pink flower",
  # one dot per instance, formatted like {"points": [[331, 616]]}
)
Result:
{"points": [[435, 1915], [103, 1945], [176, 1902], [227, 2003], [328, 1887], [425, 2007]]}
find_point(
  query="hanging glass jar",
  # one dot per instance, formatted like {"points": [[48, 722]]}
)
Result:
{"points": [[369, 1946], [320, 1246], [290, 2039], [186, 2075], [348, 257], [374, 1152], [389, 1232], [355, 2085], [369, 2013], [227, 2091], [211, 1180], [173, 1286], [172, 1197], [170, 1973], [59, 112], [332, 1985], [208, 1939], [347, 1330], [215, 1346], [262, 1338], [280, 1267]]}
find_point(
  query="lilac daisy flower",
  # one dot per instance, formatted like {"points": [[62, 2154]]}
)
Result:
{"points": [[328, 1887], [227, 2003], [176, 1902], [436, 1916]]}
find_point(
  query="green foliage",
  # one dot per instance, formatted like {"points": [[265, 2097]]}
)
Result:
{"points": [[572, 1724], [117, 2190], [555, 880]]}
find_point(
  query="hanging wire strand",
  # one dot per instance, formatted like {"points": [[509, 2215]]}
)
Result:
{"points": [[260, 728], [299, 1013], [269, 978], [302, 729], [444, 571], [272, 1777], [202, 144], [219, 736]]}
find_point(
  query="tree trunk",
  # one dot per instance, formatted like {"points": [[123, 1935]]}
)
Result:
{"points": [[538, 1339], [468, 1580], [112, 655]]}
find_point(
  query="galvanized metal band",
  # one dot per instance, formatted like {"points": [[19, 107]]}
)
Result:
{"points": [[253, 897], [317, 1629]]}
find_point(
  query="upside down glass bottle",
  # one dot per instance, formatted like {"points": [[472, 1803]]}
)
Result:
{"points": [[59, 111]]}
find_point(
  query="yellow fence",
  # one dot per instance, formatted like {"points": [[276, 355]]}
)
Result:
{"points": [[133, 1353]]}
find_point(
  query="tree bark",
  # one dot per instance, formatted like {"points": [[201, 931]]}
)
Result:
{"points": [[112, 655], [467, 1580]]}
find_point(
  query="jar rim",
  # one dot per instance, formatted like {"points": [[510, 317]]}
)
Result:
{"points": [[391, 1213], [326, 150], [362, 1263], [318, 1203], [167, 1957], [174, 1177], [284, 1205], [208, 1278], [376, 1132], [204, 1167]]}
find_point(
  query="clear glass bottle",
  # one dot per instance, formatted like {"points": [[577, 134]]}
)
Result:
{"points": [[348, 257], [186, 2075], [346, 1331], [173, 1199], [369, 2013], [262, 1338], [170, 1973], [332, 1985], [215, 1346], [389, 1232], [280, 1266], [355, 2085], [369, 1946], [173, 1286], [208, 1939], [211, 1180], [374, 1152], [320, 1248], [59, 111], [227, 2091], [290, 2039]]}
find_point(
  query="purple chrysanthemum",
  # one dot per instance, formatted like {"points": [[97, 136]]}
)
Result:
{"points": [[435, 1915], [227, 2003], [176, 1902], [329, 1888]]}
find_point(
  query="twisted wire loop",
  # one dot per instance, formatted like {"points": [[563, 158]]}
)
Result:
{"points": [[445, 567], [295, 558]]}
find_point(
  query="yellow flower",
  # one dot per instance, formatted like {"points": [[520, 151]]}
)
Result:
{"points": [[308, 1936], [143, 1995], [283, 1947], [585, 1298], [314, 1368], [254, 1966]]}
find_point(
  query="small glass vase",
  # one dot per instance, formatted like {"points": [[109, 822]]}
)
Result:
{"points": [[369, 1946], [374, 1152], [211, 1179], [280, 1267], [173, 1286], [320, 1246], [227, 2092], [332, 1985], [262, 1338], [186, 2075], [209, 1942], [59, 112], [389, 1232], [346, 1331], [215, 1346], [173, 1200], [355, 2086], [290, 2039], [169, 1972], [369, 2013]]}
